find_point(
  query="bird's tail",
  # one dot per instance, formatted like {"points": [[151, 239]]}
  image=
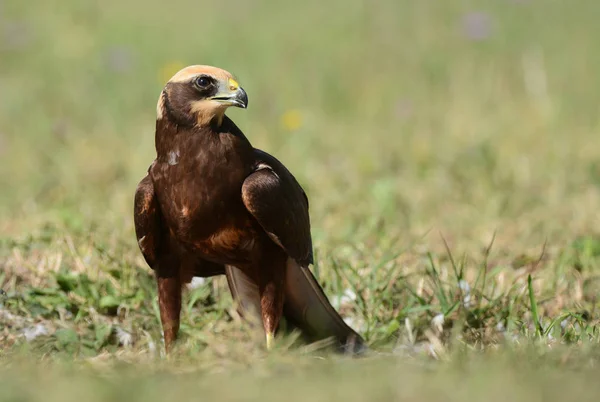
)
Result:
{"points": [[305, 306]]}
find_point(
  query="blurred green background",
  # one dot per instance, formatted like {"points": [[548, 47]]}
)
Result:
{"points": [[423, 132], [466, 115]]}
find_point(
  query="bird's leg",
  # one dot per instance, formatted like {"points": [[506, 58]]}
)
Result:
{"points": [[272, 278], [271, 303], [169, 302]]}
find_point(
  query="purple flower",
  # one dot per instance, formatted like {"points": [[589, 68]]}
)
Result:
{"points": [[477, 25], [14, 35], [119, 59], [403, 109]]}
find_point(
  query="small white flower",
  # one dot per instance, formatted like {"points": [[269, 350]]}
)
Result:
{"points": [[356, 322], [438, 322], [466, 289], [196, 283], [124, 337], [31, 333], [349, 296], [346, 298]]}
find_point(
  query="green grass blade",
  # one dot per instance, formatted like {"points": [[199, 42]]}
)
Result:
{"points": [[534, 308]]}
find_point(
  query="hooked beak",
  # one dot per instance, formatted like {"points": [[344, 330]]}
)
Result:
{"points": [[232, 95]]}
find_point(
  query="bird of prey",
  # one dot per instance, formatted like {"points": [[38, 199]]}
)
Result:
{"points": [[212, 204]]}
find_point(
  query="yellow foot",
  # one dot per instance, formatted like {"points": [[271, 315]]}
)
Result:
{"points": [[270, 340]]}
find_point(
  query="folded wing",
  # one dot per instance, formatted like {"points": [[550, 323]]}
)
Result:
{"points": [[274, 197]]}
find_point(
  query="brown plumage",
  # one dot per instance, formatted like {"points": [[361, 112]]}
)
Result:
{"points": [[212, 204]]}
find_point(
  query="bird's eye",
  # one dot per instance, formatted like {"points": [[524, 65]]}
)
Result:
{"points": [[202, 82]]}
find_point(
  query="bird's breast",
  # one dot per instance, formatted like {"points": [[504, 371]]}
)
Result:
{"points": [[224, 234], [199, 194]]}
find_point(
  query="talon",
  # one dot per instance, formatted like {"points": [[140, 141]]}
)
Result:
{"points": [[270, 341]]}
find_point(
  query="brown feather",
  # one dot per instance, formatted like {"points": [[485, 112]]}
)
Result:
{"points": [[211, 204]]}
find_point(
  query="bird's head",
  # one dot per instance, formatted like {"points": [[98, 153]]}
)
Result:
{"points": [[199, 95]]}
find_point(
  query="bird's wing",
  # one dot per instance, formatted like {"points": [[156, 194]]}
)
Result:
{"points": [[147, 221], [276, 200], [308, 308], [244, 291], [274, 197], [154, 241]]}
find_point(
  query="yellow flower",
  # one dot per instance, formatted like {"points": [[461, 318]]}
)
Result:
{"points": [[169, 70], [291, 120]]}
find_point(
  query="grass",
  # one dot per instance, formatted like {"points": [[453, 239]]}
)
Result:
{"points": [[449, 149]]}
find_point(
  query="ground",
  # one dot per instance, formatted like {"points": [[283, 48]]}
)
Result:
{"points": [[449, 150]]}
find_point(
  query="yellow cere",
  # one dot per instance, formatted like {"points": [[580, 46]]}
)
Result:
{"points": [[233, 84]]}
